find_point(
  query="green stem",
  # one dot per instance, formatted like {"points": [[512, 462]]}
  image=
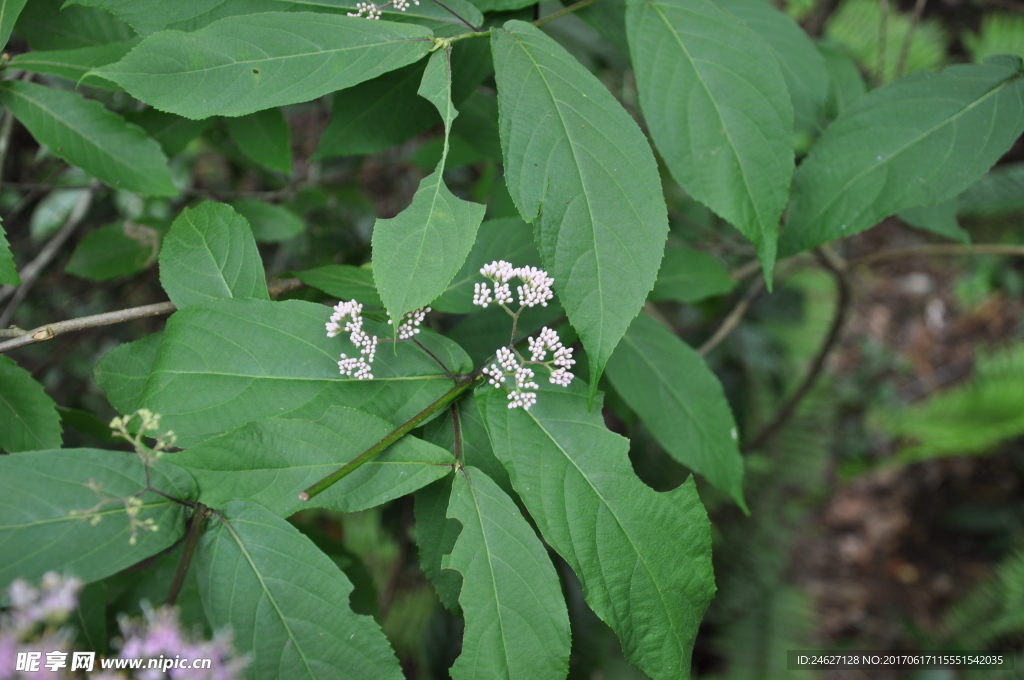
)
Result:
{"points": [[354, 464]]}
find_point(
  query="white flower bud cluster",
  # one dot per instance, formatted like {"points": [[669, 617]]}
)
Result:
{"points": [[373, 11], [410, 325], [548, 340], [536, 288], [351, 313], [509, 363]]}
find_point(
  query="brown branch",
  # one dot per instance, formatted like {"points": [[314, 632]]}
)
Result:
{"points": [[938, 249], [50, 331], [195, 529], [733, 318], [837, 268]]}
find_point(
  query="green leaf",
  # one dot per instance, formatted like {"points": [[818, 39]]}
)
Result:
{"points": [[210, 253], [435, 537], [85, 134], [680, 401], [265, 138], [344, 282], [115, 250], [939, 219], [123, 371], [286, 602], [149, 16], [28, 417], [47, 25], [644, 558], [846, 84], [270, 223], [417, 253], [717, 105], [689, 276], [507, 238], [73, 64], [575, 160], [8, 270], [801, 63], [9, 11], [225, 363], [40, 489], [172, 132], [517, 625], [219, 70], [1000, 192], [863, 168], [271, 461]]}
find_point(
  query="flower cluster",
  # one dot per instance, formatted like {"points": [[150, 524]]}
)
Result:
{"points": [[410, 325], [373, 11], [121, 427], [535, 288], [348, 317], [548, 340], [132, 507], [35, 618], [508, 363]]}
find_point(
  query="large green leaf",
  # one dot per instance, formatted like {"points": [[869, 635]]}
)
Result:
{"points": [[123, 371], [286, 601], [210, 253], [73, 64], [517, 625], [48, 25], [689, 275], [417, 253], [435, 538], [265, 138], [28, 417], [40, 489], [270, 223], [85, 134], [149, 16], [271, 461], [118, 249], [954, 126], [577, 162], [225, 363], [246, 63], [717, 105], [644, 558], [344, 282], [9, 11], [8, 270], [680, 401]]}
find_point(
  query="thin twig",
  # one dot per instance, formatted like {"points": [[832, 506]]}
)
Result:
{"points": [[5, 138], [456, 433], [195, 528], [50, 331], [915, 19], [837, 268], [31, 272], [562, 12], [433, 356], [938, 249], [458, 16], [734, 317]]}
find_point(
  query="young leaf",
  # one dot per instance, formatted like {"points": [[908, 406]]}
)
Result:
{"points": [[689, 275], [271, 461], [8, 271], [28, 417], [115, 250], [435, 537], [680, 401], [218, 70], [575, 160], [40, 489], [265, 138], [863, 168], [87, 135], [73, 64], [149, 16], [210, 253], [286, 601], [270, 223], [517, 625], [9, 11], [225, 363], [123, 371], [717, 105], [417, 253], [344, 282], [644, 558]]}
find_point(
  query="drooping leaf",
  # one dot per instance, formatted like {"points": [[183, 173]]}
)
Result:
{"points": [[517, 625], [8, 270], [28, 417], [149, 16], [270, 223], [863, 168], [247, 63], [87, 135], [210, 253], [689, 275], [171, 131], [644, 558], [285, 600], [123, 371], [435, 537], [40, 489], [344, 282], [577, 162], [701, 73], [680, 401], [799, 59], [48, 25], [265, 138], [73, 64], [115, 250], [417, 253], [225, 363], [9, 11], [271, 461]]}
